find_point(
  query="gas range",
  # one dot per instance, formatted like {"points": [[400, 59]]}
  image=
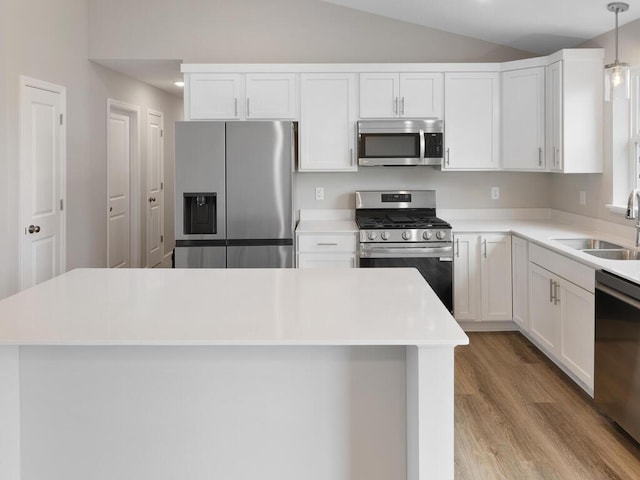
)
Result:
{"points": [[401, 229], [400, 216]]}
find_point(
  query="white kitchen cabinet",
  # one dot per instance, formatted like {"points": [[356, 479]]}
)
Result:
{"points": [[523, 119], [328, 106], [562, 312], [240, 96], [330, 249], [574, 115], [520, 281], [482, 277], [271, 95], [408, 95], [472, 121], [211, 96]]}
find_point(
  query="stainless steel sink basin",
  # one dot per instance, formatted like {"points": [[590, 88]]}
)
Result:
{"points": [[615, 254], [588, 244]]}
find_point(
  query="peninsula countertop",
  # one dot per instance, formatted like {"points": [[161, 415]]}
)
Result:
{"points": [[277, 307]]}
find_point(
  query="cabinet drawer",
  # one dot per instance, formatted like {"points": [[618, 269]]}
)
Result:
{"points": [[570, 270], [327, 243]]}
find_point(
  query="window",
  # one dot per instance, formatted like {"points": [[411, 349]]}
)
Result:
{"points": [[624, 127]]}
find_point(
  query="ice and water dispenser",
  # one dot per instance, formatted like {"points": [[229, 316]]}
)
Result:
{"points": [[199, 213]]}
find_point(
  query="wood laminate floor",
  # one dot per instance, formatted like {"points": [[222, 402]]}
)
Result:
{"points": [[518, 417]]}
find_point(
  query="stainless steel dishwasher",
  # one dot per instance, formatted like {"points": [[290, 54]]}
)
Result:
{"points": [[617, 351]]}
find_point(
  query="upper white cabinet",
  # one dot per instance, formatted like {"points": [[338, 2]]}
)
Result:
{"points": [[523, 119], [328, 106], [574, 113], [408, 95], [211, 96], [214, 96], [472, 120]]}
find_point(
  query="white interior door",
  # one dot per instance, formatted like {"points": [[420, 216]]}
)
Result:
{"points": [[155, 184], [43, 179], [119, 203]]}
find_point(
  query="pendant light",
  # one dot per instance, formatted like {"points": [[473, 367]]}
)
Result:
{"points": [[616, 74]]}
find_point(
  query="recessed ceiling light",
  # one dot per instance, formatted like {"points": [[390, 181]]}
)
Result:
{"points": [[179, 83]]}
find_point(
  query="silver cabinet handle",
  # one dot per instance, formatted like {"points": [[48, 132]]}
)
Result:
{"points": [[550, 290], [326, 244], [351, 157], [402, 106], [447, 157], [248, 110], [539, 156], [395, 106], [556, 297], [484, 243], [235, 107], [457, 248]]}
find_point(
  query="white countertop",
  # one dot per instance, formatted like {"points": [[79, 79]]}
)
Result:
{"points": [[230, 307], [327, 226], [545, 232]]}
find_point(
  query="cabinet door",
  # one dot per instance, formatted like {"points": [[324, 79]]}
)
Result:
{"points": [[421, 95], [495, 275], [215, 96], [523, 120], [465, 277], [271, 96], [520, 281], [543, 319], [472, 122], [324, 260], [555, 115], [577, 335], [327, 122], [379, 95]]}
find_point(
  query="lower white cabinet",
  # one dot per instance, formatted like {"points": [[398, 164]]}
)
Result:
{"points": [[520, 281], [561, 312], [320, 250], [482, 277]]}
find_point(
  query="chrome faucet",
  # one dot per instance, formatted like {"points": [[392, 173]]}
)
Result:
{"points": [[632, 211]]}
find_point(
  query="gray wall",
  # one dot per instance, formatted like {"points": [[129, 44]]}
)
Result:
{"points": [[307, 31], [49, 41]]}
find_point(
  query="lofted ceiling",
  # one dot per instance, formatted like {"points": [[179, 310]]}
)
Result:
{"points": [[536, 26]]}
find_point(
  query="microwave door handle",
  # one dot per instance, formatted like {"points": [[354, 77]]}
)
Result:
{"points": [[421, 133]]}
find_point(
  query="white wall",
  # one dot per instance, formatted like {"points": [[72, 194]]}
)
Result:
{"points": [[565, 188], [49, 41]]}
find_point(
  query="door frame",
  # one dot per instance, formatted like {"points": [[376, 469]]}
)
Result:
{"points": [[28, 82], [134, 114], [161, 166]]}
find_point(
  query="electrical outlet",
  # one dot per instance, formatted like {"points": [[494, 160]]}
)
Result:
{"points": [[495, 193], [583, 197], [319, 193]]}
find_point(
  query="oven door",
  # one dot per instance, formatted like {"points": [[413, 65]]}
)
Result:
{"points": [[434, 262]]}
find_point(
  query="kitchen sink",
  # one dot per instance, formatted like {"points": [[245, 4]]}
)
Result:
{"points": [[588, 244], [615, 254]]}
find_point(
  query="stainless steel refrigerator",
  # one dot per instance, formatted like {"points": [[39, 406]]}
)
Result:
{"points": [[234, 194]]}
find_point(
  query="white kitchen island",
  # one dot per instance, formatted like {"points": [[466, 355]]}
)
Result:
{"points": [[342, 374]]}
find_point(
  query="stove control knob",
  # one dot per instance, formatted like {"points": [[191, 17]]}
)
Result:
{"points": [[427, 235], [406, 234], [440, 235], [372, 235], [386, 235]]}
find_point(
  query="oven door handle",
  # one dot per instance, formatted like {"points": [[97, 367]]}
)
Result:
{"points": [[372, 251]]}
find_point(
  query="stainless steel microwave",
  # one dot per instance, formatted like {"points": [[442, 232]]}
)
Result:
{"points": [[400, 142]]}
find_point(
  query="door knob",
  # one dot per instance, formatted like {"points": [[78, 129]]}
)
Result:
{"points": [[152, 199], [34, 228]]}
